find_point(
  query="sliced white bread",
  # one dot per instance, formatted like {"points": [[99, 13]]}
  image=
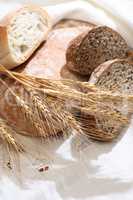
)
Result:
{"points": [[21, 33]]}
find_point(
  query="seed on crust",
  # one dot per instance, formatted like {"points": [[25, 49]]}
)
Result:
{"points": [[90, 49]]}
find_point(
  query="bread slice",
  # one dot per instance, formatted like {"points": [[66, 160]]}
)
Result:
{"points": [[117, 76], [90, 49], [114, 75], [21, 33]]}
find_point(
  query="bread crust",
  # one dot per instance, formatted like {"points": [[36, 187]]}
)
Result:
{"points": [[85, 52], [72, 49], [100, 70], [6, 57]]}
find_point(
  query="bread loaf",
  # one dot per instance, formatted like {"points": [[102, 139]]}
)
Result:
{"points": [[21, 33], [47, 62], [90, 49]]}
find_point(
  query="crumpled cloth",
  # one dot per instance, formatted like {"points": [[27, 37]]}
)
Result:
{"points": [[116, 14], [100, 171]]}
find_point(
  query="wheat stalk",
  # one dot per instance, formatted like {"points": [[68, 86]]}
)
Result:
{"points": [[6, 135], [80, 96], [37, 110]]}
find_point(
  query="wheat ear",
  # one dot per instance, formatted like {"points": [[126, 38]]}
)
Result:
{"points": [[80, 96], [6, 135]]}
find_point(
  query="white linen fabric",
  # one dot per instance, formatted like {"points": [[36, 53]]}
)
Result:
{"points": [[116, 14], [77, 170]]}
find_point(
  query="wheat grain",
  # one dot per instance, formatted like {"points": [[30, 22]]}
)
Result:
{"points": [[6, 135], [83, 97]]}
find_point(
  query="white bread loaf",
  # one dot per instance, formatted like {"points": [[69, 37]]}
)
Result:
{"points": [[47, 62], [21, 33]]}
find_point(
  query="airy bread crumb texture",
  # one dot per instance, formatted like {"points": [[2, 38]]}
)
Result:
{"points": [[25, 32]]}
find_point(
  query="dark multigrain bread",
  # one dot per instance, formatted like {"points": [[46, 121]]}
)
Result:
{"points": [[90, 49], [117, 76]]}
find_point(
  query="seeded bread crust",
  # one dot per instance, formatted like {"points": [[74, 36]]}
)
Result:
{"points": [[94, 47], [72, 50], [6, 56]]}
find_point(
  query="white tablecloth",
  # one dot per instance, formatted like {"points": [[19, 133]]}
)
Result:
{"points": [[77, 169]]}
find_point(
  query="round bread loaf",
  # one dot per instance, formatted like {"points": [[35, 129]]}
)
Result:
{"points": [[93, 47]]}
